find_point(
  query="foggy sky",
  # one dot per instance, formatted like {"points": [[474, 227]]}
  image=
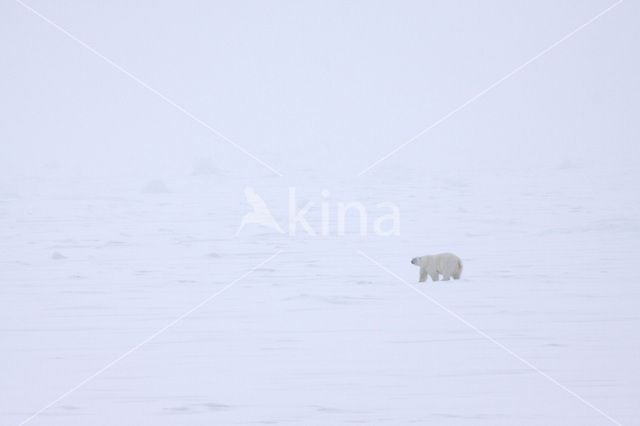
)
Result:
{"points": [[322, 87]]}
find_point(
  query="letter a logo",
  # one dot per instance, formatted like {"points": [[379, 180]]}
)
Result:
{"points": [[260, 214]]}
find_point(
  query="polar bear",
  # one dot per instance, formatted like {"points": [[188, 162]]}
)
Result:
{"points": [[447, 264]]}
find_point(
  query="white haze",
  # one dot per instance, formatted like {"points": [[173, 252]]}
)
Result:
{"points": [[118, 212]]}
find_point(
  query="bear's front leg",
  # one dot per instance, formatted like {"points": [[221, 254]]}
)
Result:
{"points": [[435, 276], [423, 275]]}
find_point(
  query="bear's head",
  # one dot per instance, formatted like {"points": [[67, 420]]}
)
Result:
{"points": [[415, 260]]}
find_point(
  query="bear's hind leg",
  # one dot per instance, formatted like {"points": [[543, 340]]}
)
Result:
{"points": [[445, 277]]}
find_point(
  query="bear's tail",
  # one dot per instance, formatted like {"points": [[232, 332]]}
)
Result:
{"points": [[458, 272]]}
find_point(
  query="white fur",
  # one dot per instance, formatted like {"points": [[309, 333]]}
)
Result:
{"points": [[445, 264]]}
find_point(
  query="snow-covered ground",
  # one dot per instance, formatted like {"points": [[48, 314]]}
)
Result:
{"points": [[127, 296], [320, 335]]}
